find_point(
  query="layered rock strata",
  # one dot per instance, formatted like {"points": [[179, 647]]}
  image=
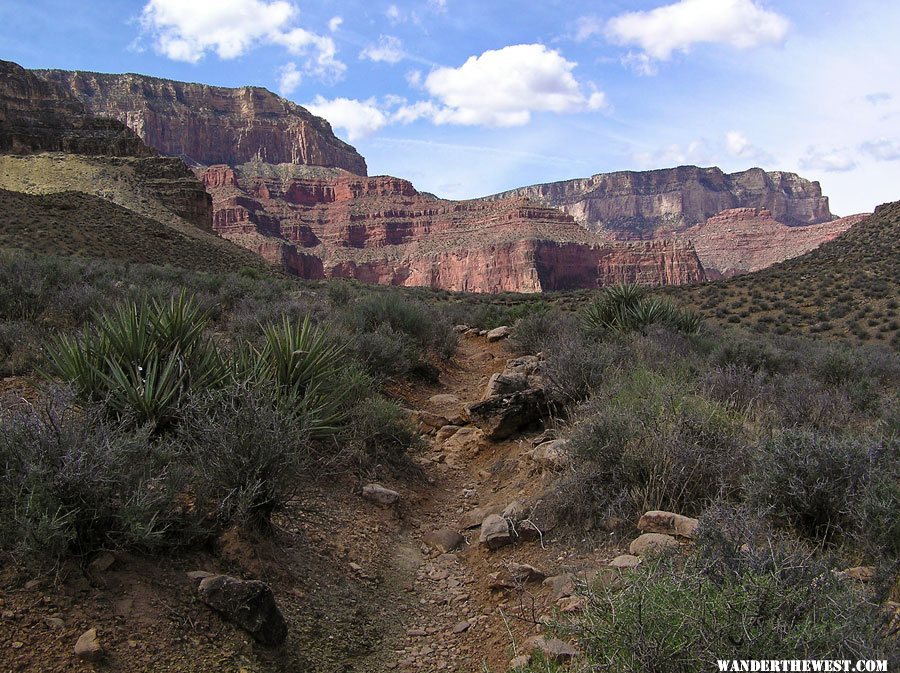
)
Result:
{"points": [[39, 116], [329, 223], [208, 124], [634, 204]]}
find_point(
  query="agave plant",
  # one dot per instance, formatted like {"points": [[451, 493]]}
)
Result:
{"points": [[624, 308]]}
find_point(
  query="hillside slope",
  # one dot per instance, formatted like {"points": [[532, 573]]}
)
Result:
{"points": [[847, 288]]}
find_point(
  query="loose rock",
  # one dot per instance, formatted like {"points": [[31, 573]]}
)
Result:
{"points": [[88, 646], [249, 604], [444, 540], [381, 495], [495, 532], [498, 333], [625, 561], [668, 523], [553, 649], [649, 543]]}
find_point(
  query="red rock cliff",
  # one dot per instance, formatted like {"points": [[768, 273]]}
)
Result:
{"points": [[328, 223], [631, 204], [39, 116], [208, 124], [742, 240]]}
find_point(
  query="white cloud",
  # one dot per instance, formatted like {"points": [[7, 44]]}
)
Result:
{"points": [[186, 31], [882, 149], [438, 5], [677, 27], [695, 152], [828, 159], [358, 118], [393, 13], [335, 23], [289, 79], [587, 27], [737, 144], [414, 78], [389, 49], [503, 87]]}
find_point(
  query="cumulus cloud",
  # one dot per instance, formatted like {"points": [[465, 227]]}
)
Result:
{"points": [[828, 159], [503, 87], [289, 78], [587, 27], [882, 149], [388, 49], [334, 23], [187, 31], [739, 145], [695, 152], [677, 27], [414, 78], [358, 118]]}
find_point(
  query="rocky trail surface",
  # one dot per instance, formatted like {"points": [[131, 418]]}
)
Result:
{"points": [[455, 569]]}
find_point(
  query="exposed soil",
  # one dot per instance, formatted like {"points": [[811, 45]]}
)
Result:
{"points": [[360, 589]]}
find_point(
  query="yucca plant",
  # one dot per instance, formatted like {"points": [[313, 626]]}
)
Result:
{"points": [[625, 308], [141, 359], [307, 368]]}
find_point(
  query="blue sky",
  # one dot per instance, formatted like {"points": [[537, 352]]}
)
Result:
{"points": [[467, 97]]}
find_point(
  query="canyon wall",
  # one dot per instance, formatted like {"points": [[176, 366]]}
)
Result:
{"points": [[630, 204], [208, 124], [39, 116], [332, 224]]}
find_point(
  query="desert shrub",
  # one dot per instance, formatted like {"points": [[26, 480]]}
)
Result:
{"points": [[576, 367], [19, 347], [802, 401], [684, 616], [534, 333], [426, 327], [141, 359], [378, 432], [737, 387], [812, 481], [248, 448], [752, 352], [72, 480], [658, 447], [385, 352], [624, 308]]}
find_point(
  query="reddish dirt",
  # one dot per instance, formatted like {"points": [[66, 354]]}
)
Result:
{"points": [[359, 588]]}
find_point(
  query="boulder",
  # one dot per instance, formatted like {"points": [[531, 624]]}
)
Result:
{"points": [[668, 523], [504, 384], [560, 586], [446, 432], [652, 543], [523, 572], [515, 511], [381, 495], [444, 540], [498, 333], [449, 407], [553, 649], [88, 647], [502, 416], [474, 517], [466, 440], [625, 561], [495, 532], [552, 455], [249, 604]]}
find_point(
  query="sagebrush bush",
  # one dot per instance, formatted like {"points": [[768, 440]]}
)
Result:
{"points": [[536, 332], [72, 480], [656, 446], [379, 433], [812, 481], [248, 449], [673, 616]]}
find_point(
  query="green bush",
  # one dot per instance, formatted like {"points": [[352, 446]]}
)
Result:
{"points": [[672, 616], [653, 445], [71, 480], [535, 333], [626, 308], [141, 359], [811, 481]]}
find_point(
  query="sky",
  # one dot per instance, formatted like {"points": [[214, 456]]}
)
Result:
{"points": [[468, 97]]}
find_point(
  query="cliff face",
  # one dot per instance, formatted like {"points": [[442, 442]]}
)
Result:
{"points": [[638, 205], [742, 240], [208, 124], [39, 116], [322, 223]]}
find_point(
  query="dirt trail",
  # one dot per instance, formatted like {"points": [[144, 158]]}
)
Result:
{"points": [[457, 621]]}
